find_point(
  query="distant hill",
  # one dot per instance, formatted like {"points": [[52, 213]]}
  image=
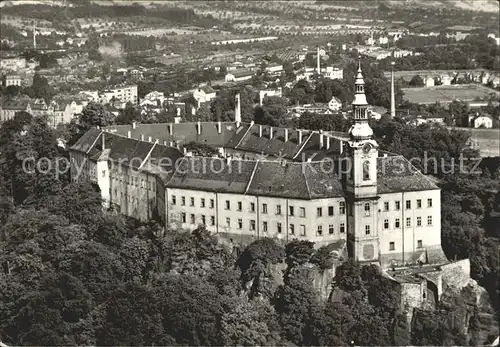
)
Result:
{"points": [[473, 5]]}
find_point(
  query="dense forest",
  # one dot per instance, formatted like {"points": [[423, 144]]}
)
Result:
{"points": [[73, 274]]}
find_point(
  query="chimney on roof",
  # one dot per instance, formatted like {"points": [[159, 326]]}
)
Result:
{"points": [[252, 123], [157, 141], [271, 132], [103, 142], [178, 111], [219, 127], [341, 146], [170, 129], [97, 126], [129, 134], [198, 128], [300, 136], [385, 155], [328, 142], [184, 150], [142, 137], [150, 139], [260, 130], [164, 143], [228, 160], [134, 125], [237, 111], [286, 134], [320, 139]]}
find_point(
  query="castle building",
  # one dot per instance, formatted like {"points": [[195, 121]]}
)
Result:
{"points": [[279, 183]]}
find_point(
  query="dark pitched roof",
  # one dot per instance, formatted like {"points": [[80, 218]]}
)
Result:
{"points": [[181, 132], [15, 104], [272, 178], [207, 89], [213, 174], [396, 174], [322, 180], [85, 143], [241, 73]]}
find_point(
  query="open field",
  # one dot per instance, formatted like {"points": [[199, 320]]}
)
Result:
{"points": [[407, 75], [446, 94], [488, 140]]}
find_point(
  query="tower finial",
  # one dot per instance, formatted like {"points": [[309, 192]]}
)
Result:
{"points": [[359, 63]]}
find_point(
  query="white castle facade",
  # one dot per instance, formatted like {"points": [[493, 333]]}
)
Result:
{"points": [[269, 182]]}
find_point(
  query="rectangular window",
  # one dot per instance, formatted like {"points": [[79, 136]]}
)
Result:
{"points": [[386, 224], [183, 201], [429, 220], [391, 246], [408, 222], [191, 201], [193, 220], [419, 221], [342, 228], [240, 223], [419, 243], [330, 229], [330, 210], [342, 207], [278, 209], [429, 202], [386, 206], [291, 210], [174, 200], [397, 205], [228, 205], [252, 207], [202, 202], [367, 209], [419, 203], [319, 212], [302, 212], [203, 220], [212, 220], [397, 223], [212, 203], [408, 204], [228, 222], [252, 225], [292, 229], [264, 208], [278, 227], [367, 230], [264, 227], [183, 217], [302, 230], [240, 206], [320, 230]]}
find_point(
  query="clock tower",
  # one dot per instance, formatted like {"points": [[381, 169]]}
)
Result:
{"points": [[360, 181]]}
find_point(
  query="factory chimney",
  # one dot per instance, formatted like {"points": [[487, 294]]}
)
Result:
{"points": [[237, 111], [34, 34], [318, 68]]}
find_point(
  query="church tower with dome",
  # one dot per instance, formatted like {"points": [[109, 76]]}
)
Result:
{"points": [[360, 181]]}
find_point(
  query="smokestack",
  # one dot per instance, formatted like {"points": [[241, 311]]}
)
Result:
{"points": [[286, 135], [341, 147], [129, 134], [157, 141], [219, 127], [198, 128], [270, 132], [300, 137], [393, 97], [237, 111], [318, 63], [34, 34], [260, 130]]}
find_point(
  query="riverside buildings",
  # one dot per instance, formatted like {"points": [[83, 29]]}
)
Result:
{"points": [[269, 182]]}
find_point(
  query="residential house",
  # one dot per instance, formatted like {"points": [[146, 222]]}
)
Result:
{"points": [[9, 108], [269, 92], [13, 80], [483, 121], [335, 104], [274, 68], [204, 94]]}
